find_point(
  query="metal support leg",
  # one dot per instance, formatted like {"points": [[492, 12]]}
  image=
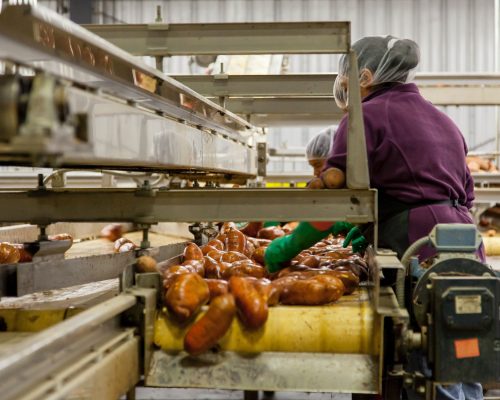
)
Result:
{"points": [[131, 394], [251, 395], [145, 237], [197, 231], [42, 236]]}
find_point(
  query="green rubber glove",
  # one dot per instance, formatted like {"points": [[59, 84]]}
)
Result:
{"points": [[341, 227], [356, 239], [267, 224], [285, 248]]}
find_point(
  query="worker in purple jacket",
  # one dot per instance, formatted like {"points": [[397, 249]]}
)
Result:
{"points": [[416, 157]]}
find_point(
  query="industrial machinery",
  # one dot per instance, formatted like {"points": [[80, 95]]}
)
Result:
{"points": [[73, 100]]}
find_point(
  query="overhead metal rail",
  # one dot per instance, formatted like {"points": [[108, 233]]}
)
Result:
{"points": [[160, 39], [40, 38]]}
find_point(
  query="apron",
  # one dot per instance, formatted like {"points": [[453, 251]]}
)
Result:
{"points": [[393, 215]]}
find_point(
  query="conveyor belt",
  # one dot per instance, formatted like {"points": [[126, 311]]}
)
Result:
{"points": [[347, 326], [85, 262]]}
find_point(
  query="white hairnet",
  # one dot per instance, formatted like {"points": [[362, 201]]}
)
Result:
{"points": [[389, 59], [319, 146]]}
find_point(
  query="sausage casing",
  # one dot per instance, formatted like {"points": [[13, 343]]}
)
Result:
{"points": [[186, 295], [211, 327]]}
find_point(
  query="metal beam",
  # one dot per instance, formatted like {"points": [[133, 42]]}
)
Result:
{"points": [[44, 207], [273, 371], [487, 195], [486, 179], [289, 85], [24, 278], [122, 136], [304, 107], [317, 89], [39, 356], [228, 38]]}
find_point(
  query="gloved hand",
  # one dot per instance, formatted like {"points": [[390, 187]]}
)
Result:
{"points": [[285, 248], [341, 227], [267, 224], [356, 239]]}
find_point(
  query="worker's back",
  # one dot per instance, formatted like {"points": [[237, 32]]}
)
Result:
{"points": [[415, 151]]}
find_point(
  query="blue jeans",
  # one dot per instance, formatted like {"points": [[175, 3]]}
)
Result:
{"points": [[460, 391], [457, 391]]}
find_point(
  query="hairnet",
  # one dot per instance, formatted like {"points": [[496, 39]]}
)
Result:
{"points": [[388, 58], [319, 146]]}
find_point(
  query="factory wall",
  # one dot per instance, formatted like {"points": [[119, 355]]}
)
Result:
{"points": [[454, 36]]}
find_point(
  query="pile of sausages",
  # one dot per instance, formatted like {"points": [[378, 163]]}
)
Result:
{"points": [[229, 274]]}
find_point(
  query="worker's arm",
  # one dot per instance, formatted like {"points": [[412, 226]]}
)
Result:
{"points": [[469, 183], [304, 236]]}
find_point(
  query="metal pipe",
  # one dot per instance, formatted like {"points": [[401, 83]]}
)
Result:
{"points": [[405, 261], [60, 335]]}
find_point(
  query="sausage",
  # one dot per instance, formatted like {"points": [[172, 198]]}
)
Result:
{"points": [[217, 287], [270, 233], [349, 280], [112, 232], [146, 264], [212, 269], [258, 255], [216, 254], [245, 268], [9, 254], [198, 266], [269, 293], [127, 246], [221, 238], [186, 296], [209, 329], [61, 236], [235, 241], [120, 242], [226, 227], [233, 256], [206, 249], [311, 261], [317, 290], [24, 254], [249, 249], [315, 183], [252, 229], [193, 252], [171, 273], [333, 178], [252, 307]]}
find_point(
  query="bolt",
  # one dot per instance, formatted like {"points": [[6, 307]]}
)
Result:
{"points": [[421, 389]]}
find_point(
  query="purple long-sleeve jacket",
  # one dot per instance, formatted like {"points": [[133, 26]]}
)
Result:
{"points": [[415, 153]]}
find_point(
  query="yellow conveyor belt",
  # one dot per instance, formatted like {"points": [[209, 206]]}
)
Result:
{"points": [[347, 326]]}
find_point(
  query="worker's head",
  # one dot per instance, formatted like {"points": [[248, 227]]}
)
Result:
{"points": [[381, 60], [318, 148]]}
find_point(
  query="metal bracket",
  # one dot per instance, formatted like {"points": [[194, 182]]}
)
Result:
{"points": [[261, 158], [142, 315]]}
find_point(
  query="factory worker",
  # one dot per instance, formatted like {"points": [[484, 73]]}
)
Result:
{"points": [[318, 148], [416, 158]]}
